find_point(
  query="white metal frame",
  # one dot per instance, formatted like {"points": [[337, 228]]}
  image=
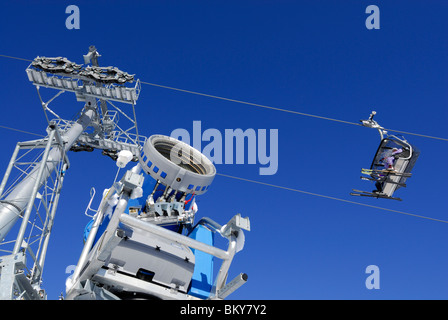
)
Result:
{"points": [[92, 259]]}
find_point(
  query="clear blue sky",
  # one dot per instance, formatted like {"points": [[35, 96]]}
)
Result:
{"points": [[315, 57]]}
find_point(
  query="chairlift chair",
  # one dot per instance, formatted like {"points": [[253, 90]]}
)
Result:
{"points": [[388, 180]]}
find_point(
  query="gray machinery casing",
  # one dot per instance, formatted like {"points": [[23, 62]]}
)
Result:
{"points": [[171, 264]]}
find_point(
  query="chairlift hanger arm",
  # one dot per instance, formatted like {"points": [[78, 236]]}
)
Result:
{"points": [[370, 123]]}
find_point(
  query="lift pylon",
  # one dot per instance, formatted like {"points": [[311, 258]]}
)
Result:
{"points": [[142, 242], [31, 186]]}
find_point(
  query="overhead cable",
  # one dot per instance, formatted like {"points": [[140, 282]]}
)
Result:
{"points": [[260, 105], [329, 197]]}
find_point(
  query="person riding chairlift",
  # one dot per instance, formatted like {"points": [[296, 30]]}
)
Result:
{"points": [[389, 161], [391, 158]]}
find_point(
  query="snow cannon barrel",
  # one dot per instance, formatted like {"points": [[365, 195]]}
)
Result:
{"points": [[177, 165]]}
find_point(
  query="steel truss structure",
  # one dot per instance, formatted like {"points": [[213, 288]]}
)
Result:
{"points": [[31, 186], [112, 263]]}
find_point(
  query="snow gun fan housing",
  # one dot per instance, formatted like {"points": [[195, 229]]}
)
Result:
{"points": [[176, 165]]}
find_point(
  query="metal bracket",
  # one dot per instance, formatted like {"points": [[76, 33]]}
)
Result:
{"points": [[370, 123], [235, 224], [232, 286], [14, 284]]}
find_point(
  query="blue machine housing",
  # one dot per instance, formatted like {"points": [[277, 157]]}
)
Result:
{"points": [[202, 280]]}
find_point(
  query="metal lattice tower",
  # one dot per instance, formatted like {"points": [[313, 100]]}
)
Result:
{"points": [[116, 262], [31, 186]]}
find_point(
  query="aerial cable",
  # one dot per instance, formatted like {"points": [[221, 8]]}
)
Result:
{"points": [[329, 197], [283, 110], [251, 104], [10, 57], [260, 105], [288, 111], [302, 191], [18, 130], [417, 134]]}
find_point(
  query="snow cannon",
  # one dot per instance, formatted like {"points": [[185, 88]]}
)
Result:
{"points": [[176, 165]]}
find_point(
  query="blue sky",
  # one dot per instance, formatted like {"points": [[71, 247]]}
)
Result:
{"points": [[314, 57]]}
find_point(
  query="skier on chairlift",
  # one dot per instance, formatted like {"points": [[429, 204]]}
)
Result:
{"points": [[390, 159]]}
